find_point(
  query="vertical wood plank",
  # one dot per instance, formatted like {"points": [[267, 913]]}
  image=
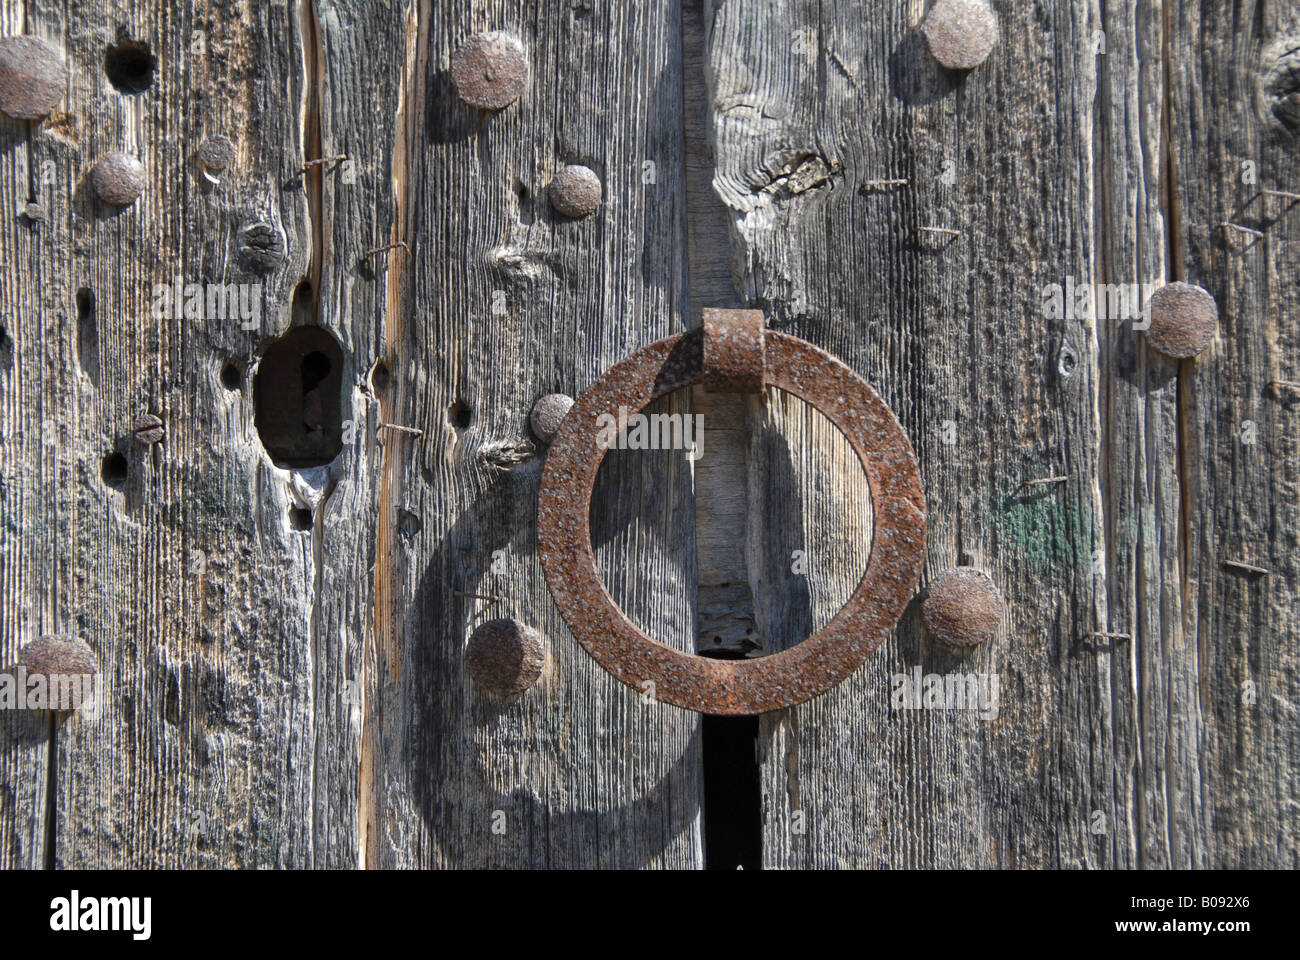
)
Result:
{"points": [[1157, 815], [29, 463], [227, 625], [360, 110], [1233, 87], [507, 301], [814, 105]]}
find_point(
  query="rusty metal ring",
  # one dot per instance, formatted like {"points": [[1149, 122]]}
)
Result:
{"points": [[733, 686]]}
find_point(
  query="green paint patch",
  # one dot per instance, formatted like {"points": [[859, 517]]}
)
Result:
{"points": [[1047, 527]]}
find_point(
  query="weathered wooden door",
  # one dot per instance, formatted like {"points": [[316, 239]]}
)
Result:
{"points": [[279, 594]]}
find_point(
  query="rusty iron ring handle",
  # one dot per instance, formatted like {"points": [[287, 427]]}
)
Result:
{"points": [[724, 355]]}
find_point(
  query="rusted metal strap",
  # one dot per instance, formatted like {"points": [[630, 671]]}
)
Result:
{"points": [[734, 355]]}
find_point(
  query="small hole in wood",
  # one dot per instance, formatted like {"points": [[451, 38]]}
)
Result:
{"points": [[130, 66], [461, 414], [297, 397], [113, 470], [303, 300], [380, 378], [408, 524], [300, 518], [232, 378]]}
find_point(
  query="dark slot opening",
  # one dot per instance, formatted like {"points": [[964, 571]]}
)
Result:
{"points": [[87, 332], [733, 812]]}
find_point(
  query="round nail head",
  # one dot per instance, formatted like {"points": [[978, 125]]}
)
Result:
{"points": [[964, 608], [33, 76], [216, 153], [575, 191], [961, 33], [60, 658], [505, 657], [547, 414], [490, 70], [34, 212], [118, 179], [1184, 320]]}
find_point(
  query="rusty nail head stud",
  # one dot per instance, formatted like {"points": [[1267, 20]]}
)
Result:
{"points": [[149, 429], [1184, 320], [118, 178], [56, 655], [575, 191], [505, 657], [964, 608], [60, 657], [33, 76], [34, 212], [547, 414], [216, 153], [961, 33], [490, 70]]}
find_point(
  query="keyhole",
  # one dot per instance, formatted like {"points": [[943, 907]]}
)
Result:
{"points": [[315, 368]]}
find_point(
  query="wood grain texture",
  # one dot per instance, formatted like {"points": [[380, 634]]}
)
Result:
{"points": [[813, 105], [224, 633], [725, 602], [1159, 735], [282, 649], [1233, 86], [508, 300], [1142, 750], [28, 471]]}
